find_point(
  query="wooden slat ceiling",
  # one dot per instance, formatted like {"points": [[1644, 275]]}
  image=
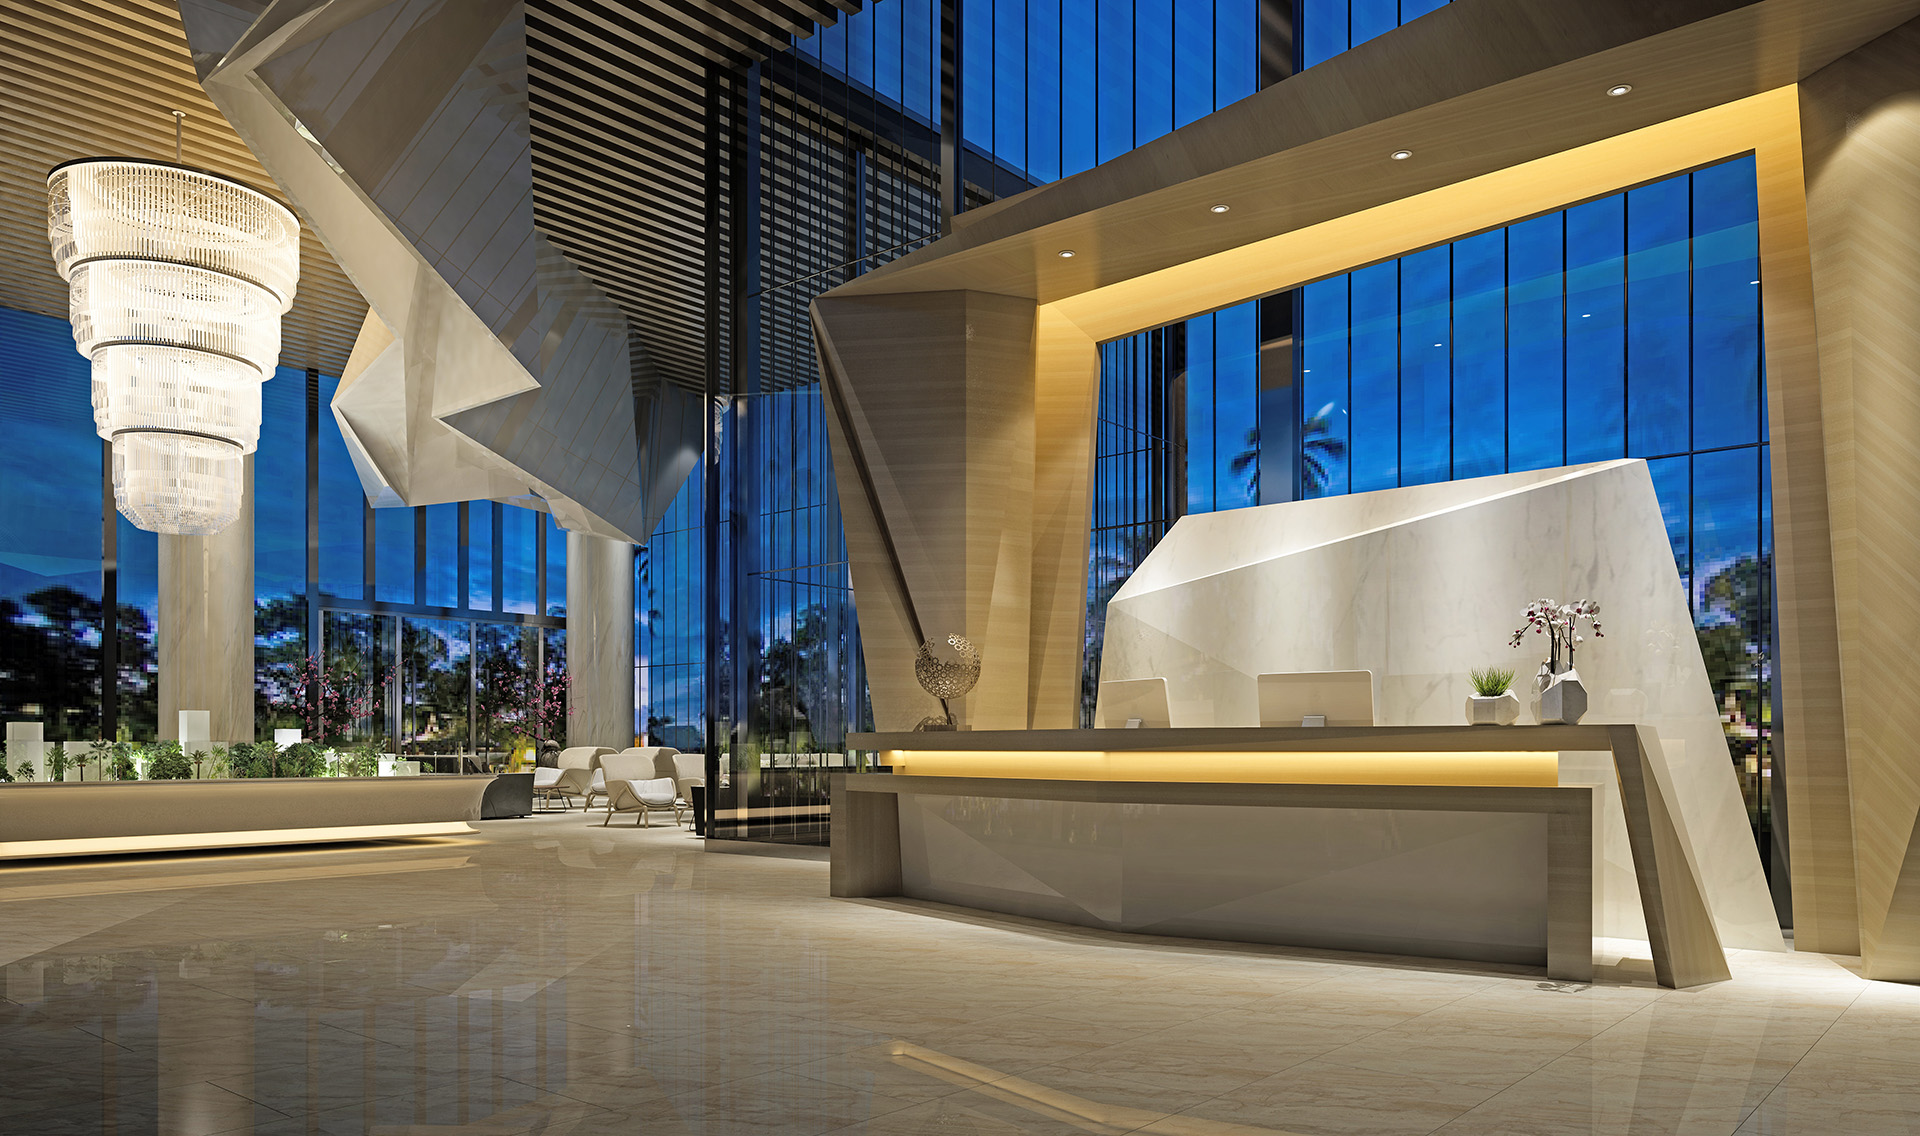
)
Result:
{"points": [[86, 78], [619, 145]]}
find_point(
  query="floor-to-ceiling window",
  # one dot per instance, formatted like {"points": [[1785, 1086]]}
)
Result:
{"points": [[837, 158], [50, 531], [422, 615], [1329, 27], [1627, 326]]}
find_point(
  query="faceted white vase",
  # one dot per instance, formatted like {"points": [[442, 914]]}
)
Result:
{"points": [[1565, 701], [1499, 710]]}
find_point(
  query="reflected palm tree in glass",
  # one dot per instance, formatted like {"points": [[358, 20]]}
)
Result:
{"points": [[1322, 453]]}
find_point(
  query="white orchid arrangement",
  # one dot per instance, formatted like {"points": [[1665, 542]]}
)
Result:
{"points": [[1561, 624]]}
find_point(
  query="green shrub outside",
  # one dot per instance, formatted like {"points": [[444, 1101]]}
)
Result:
{"points": [[120, 765], [304, 759], [252, 759], [166, 761]]}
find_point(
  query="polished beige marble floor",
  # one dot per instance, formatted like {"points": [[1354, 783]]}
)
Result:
{"points": [[552, 976]]}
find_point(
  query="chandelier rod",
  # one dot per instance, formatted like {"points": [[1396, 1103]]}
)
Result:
{"points": [[178, 117]]}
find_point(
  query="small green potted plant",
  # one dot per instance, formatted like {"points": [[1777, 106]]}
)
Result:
{"points": [[1492, 702]]}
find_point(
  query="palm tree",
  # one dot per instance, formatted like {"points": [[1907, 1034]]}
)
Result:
{"points": [[1247, 462], [1320, 451]]}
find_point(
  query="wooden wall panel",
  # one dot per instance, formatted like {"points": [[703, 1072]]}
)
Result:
{"points": [[1862, 147], [1066, 404], [1811, 742], [931, 407]]}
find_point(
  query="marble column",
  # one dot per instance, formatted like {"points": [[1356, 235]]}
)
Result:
{"points": [[205, 641], [600, 641]]}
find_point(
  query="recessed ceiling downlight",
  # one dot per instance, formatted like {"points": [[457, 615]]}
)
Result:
{"points": [[1217, 208], [1402, 155], [1066, 254], [1619, 89]]}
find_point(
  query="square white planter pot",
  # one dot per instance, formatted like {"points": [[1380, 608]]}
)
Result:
{"points": [[1564, 701], [1499, 710]]}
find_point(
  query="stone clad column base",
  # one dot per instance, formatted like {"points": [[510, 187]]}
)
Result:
{"points": [[600, 672], [205, 638]]}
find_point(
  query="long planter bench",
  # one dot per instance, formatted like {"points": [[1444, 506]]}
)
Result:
{"points": [[113, 817]]}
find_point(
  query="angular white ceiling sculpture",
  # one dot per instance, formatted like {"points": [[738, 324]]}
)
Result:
{"points": [[489, 366], [1422, 584]]}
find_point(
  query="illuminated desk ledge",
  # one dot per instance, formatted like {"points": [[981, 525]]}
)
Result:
{"points": [[1446, 841]]}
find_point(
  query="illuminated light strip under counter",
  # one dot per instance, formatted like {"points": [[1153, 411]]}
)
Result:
{"points": [[1329, 755], [1493, 767]]}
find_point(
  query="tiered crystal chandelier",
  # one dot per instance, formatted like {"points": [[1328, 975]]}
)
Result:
{"points": [[177, 280]]}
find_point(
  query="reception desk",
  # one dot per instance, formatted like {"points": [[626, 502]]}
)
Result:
{"points": [[1454, 842]]}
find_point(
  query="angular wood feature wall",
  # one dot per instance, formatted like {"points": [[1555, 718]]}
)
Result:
{"points": [[956, 523], [1810, 744], [1861, 124]]}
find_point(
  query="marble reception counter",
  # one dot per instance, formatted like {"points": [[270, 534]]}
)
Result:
{"points": [[1447, 841], [113, 817]]}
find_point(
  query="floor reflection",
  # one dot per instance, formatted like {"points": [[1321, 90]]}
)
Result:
{"points": [[552, 976]]}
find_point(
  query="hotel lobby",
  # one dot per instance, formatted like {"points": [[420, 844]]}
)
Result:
{"points": [[1203, 567]]}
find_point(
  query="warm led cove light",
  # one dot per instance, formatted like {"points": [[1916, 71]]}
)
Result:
{"points": [[1619, 89], [1281, 767], [1402, 155]]}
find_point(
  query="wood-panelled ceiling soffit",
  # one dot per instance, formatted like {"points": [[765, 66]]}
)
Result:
{"points": [[1474, 87], [619, 145], [86, 78]]}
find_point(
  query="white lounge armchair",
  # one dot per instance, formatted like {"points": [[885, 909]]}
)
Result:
{"points": [[644, 767], [689, 769], [572, 778], [631, 787]]}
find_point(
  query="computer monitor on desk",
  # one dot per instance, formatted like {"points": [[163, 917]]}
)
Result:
{"points": [[1342, 698], [1140, 702]]}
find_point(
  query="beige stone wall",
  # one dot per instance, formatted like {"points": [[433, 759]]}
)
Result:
{"points": [[1861, 120]]}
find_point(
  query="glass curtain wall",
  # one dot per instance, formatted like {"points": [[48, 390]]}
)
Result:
{"points": [[1628, 326], [746, 629], [421, 614], [51, 630], [1329, 27]]}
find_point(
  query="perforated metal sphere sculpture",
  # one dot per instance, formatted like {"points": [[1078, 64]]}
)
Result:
{"points": [[947, 668]]}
